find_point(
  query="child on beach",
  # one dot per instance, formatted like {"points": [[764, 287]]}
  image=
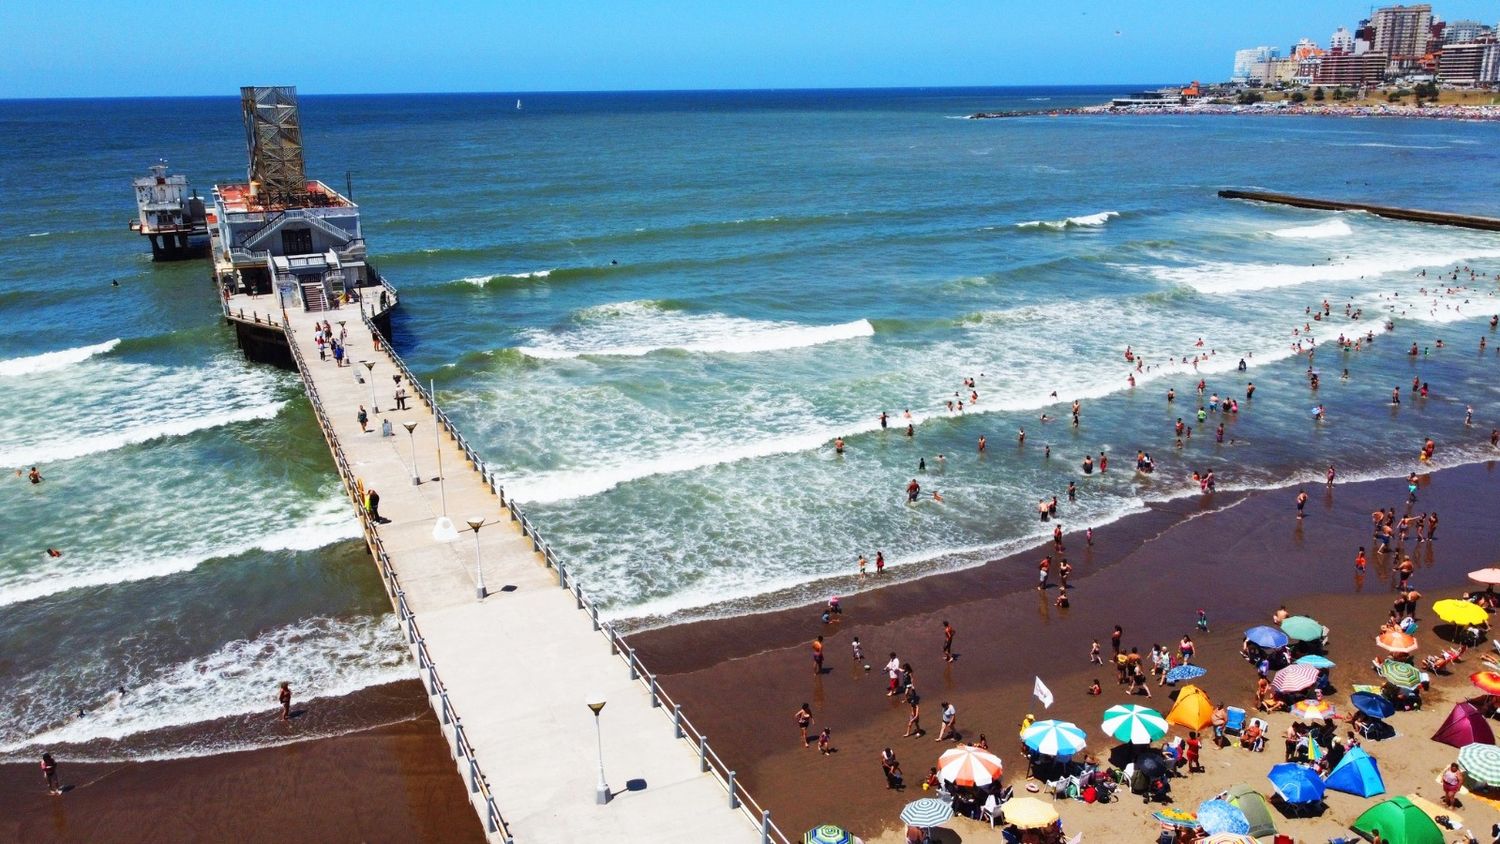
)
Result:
{"points": [[859, 651], [1094, 689], [1095, 655], [1359, 559], [1203, 621], [825, 744]]}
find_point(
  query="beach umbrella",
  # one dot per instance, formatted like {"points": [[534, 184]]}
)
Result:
{"points": [[1185, 672], [1177, 817], [1028, 813], [1294, 678], [1312, 710], [1402, 674], [1455, 611], [1465, 725], [1486, 681], [1482, 762], [1296, 783], [1229, 838], [1373, 705], [1489, 575], [1300, 628], [1396, 642], [1356, 774], [1216, 816], [1400, 822], [1316, 661], [1266, 637], [1193, 709], [1152, 763], [1256, 808], [926, 812], [827, 834], [968, 765], [1134, 724], [1054, 738]]}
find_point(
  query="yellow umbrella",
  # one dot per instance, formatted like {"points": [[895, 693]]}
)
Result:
{"points": [[1193, 709], [1028, 813], [1455, 611]]}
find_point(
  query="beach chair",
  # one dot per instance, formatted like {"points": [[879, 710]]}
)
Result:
{"points": [[1235, 723], [990, 810], [1260, 743]]}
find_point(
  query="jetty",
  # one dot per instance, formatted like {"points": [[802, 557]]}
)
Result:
{"points": [[1439, 218], [558, 731]]}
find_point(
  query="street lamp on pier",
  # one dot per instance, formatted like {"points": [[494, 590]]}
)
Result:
{"points": [[475, 524], [416, 480], [596, 702]]}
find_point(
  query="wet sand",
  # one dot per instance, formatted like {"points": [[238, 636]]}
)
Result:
{"points": [[391, 783], [741, 679]]}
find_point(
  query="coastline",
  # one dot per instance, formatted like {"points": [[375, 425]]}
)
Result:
{"points": [[389, 783], [1476, 113], [741, 678]]}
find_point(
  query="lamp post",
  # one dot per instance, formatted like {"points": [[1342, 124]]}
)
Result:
{"points": [[479, 591], [370, 368], [442, 530], [416, 480], [596, 702]]}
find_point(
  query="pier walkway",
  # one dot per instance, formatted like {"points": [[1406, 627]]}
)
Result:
{"points": [[1440, 218], [509, 674]]}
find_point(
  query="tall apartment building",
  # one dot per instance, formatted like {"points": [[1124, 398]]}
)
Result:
{"points": [[1464, 32], [1246, 60], [1472, 63], [1352, 70], [1341, 42], [1402, 31]]}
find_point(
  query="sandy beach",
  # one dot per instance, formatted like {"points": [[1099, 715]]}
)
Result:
{"points": [[1239, 558], [391, 783]]}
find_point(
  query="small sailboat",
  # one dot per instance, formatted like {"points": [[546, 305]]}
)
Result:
{"points": [[518, 105]]}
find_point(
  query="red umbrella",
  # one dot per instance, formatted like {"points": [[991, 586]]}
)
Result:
{"points": [[1486, 681], [1465, 725]]}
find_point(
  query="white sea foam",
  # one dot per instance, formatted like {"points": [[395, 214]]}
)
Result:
{"points": [[1228, 277], [1328, 228], [1085, 221], [39, 234], [327, 523], [633, 329], [482, 280], [48, 361], [326, 657], [67, 447]]}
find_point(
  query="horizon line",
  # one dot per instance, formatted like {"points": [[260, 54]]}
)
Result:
{"points": [[600, 91]]}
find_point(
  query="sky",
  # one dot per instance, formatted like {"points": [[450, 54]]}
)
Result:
{"points": [[111, 48]]}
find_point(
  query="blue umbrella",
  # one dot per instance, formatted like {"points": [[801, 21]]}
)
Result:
{"points": [[1185, 672], [1373, 705], [1296, 784], [1316, 661], [1357, 774], [1054, 738], [827, 834], [926, 812], [1216, 816], [1267, 637]]}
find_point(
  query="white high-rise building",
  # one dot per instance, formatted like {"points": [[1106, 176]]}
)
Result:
{"points": [[1464, 32], [1246, 60], [1341, 42]]}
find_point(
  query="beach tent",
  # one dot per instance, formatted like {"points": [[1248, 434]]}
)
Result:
{"points": [[1356, 774], [1193, 709], [1296, 783], [1465, 725], [1399, 822], [1256, 808]]}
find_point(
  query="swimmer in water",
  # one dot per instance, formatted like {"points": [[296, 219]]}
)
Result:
{"points": [[838, 445]]}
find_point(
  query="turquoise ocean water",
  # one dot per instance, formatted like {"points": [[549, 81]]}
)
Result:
{"points": [[653, 313]]}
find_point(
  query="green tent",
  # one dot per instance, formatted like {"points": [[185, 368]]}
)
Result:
{"points": [[1257, 810], [1399, 821]]}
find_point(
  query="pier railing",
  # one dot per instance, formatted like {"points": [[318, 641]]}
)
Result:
{"points": [[709, 761], [451, 724]]}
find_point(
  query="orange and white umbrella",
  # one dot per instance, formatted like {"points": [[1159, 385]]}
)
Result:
{"points": [[969, 765], [1396, 642], [1312, 710], [1486, 681]]}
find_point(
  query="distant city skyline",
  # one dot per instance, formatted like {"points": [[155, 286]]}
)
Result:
{"points": [[100, 49]]}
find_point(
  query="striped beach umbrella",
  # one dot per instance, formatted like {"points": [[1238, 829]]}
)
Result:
{"points": [[1300, 628], [1486, 681], [1229, 838], [1217, 816], [827, 834], [1133, 724], [1402, 674], [1294, 678], [1054, 738], [1396, 642], [968, 765], [1185, 672], [1312, 710], [1481, 762], [926, 812], [1316, 661], [1455, 611]]}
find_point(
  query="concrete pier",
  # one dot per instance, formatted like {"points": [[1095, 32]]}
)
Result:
{"points": [[509, 674], [1440, 218]]}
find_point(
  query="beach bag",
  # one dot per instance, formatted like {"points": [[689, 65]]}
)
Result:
{"points": [[1090, 795]]}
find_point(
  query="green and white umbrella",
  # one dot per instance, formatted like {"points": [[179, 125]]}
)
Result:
{"points": [[827, 834], [1481, 762], [1134, 724], [1054, 738], [1402, 674], [926, 812]]}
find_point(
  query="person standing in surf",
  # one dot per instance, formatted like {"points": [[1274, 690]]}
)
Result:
{"points": [[285, 698]]}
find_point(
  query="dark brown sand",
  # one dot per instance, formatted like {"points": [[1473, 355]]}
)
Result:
{"points": [[741, 679], [392, 783]]}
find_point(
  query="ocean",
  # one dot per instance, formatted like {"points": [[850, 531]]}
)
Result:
{"points": [[653, 313]]}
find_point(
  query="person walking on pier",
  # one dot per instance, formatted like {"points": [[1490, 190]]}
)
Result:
{"points": [[400, 398], [372, 505], [364, 420], [285, 698]]}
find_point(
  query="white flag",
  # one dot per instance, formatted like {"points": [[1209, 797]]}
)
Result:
{"points": [[1042, 693]]}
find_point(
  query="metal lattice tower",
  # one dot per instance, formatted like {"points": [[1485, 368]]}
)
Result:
{"points": [[274, 137]]}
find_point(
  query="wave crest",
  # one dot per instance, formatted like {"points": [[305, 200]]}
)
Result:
{"points": [[49, 361], [1328, 228], [1084, 221]]}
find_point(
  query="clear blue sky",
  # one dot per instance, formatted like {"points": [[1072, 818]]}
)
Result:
{"points": [[112, 48]]}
